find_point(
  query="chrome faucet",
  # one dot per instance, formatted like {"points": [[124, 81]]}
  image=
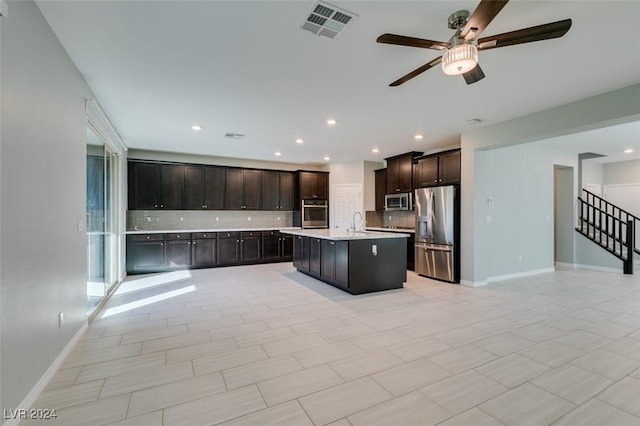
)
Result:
{"points": [[354, 222]]}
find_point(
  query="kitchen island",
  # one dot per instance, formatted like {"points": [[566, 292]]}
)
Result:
{"points": [[356, 262]]}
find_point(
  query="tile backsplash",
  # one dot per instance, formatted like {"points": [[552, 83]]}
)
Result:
{"points": [[177, 220], [404, 219]]}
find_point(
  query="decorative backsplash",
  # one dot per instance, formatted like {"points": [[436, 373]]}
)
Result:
{"points": [[177, 220]]}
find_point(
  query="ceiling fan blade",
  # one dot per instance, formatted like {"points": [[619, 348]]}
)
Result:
{"points": [[412, 42], [416, 72], [474, 75], [481, 17], [526, 35]]}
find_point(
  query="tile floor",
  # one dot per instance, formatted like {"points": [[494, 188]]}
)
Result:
{"points": [[266, 345]]}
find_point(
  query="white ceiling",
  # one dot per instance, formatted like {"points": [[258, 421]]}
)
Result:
{"points": [[157, 67]]}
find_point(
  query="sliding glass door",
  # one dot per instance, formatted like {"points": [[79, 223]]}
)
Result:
{"points": [[101, 235]]}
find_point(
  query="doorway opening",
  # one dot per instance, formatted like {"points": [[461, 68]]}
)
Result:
{"points": [[563, 224]]}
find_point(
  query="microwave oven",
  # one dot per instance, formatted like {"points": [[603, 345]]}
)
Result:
{"points": [[402, 201]]}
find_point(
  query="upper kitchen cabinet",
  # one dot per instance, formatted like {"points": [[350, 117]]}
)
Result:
{"points": [[278, 190], [203, 187], [155, 186], [243, 189], [313, 185], [400, 173], [438, 169], [381, 187]]}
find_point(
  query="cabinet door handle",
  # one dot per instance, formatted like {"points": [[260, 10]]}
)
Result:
{"points": [[155, 205], [161, 244], [161, 206], [194, 243]]}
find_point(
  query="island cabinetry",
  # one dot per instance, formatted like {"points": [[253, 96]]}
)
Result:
{"points": [[203, 187], [243, 189], [278, 190], [335, 262], [313, 185], [155, 186], [400, 173], [301, 253], [356, 262], [314, 256], [203, 249], [438, 169]]}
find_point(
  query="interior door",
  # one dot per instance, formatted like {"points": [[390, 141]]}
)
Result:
{"points": [[347, 200]]}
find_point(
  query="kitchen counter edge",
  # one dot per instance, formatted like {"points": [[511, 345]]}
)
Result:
{"points": [[336, 235], [181, 231]]}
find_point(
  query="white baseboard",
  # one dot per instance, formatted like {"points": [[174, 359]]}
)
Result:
{"points": [[473, 283], [519, 275], [37, 389], [599, 268], [566, 265]]}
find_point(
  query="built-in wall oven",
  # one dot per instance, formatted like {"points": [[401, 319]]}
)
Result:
{"points": [[315, 214]]}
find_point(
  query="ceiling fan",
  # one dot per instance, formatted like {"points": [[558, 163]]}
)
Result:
{"points": [[461, 51]]}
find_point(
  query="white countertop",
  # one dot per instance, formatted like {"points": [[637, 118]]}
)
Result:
{"points": [[181, 231], [382, 229], [338, 234]]}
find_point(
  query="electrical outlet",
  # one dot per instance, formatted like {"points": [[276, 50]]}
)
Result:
{"points": [[249, 218], [148, 218], [60, 319], [217, 219], [278, 217], [374, 249], [181, 218]]}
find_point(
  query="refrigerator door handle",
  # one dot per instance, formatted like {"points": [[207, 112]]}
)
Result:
{"points": [[435, 248]]}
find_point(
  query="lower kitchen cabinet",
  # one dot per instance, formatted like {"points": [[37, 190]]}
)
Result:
{"points": [[228, 248], [301, 253], [314, 256], [159, 252], [276, 247], [145, 253], [250, 243], [177, 251], [204, 249], [335, 262]]}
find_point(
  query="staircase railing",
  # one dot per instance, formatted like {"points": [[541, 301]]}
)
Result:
{"points": [[609, 226]]}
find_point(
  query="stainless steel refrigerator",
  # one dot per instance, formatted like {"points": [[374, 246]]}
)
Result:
{"points": [[437, 229]]}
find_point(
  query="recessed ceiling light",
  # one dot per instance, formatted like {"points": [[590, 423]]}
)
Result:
{"points": [[299, 141], [327, 158], [418, 137], [196, 127], [375, 150], [331, 122], [278, 153], [628, 151]]}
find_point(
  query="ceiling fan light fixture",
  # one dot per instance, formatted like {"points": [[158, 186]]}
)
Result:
{"points": [[460, 59]]}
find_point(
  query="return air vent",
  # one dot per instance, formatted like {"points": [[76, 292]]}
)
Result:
{"points": [[236, 136], [327, 20]]}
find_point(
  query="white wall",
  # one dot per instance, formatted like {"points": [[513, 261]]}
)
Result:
{"points": [[43, 182], [592, 172], [622, 172], [370, 184], [479, 165]]}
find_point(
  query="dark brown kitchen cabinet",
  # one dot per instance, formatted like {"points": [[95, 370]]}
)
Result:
{"points": [[400, 173], [278, 190], [243, 189], [438, 169], [313, 185], [155, 186], [276, 247], [228, 248], [301, 252], [204, 249], [250, 243], [335, 262], [145, 253], [314, 255], [203, 187], [381, 187], [177, 252]]}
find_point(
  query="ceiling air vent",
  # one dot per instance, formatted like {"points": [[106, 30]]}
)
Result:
{"points": [[236, 136], [327, 20]]}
